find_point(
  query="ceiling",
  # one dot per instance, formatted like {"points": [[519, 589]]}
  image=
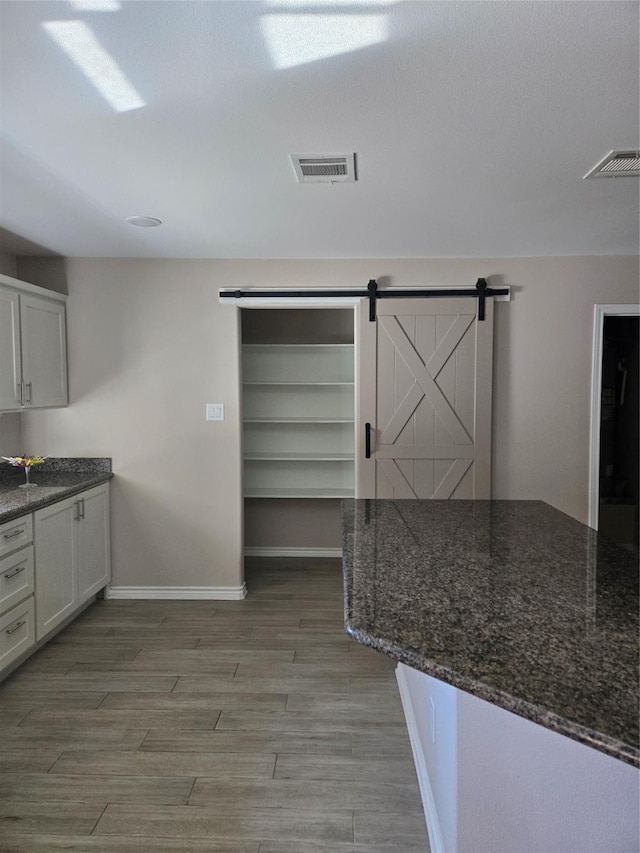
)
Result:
{"points": [[472, 123]]}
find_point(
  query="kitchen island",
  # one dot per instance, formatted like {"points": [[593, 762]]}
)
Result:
{"points": [[516, 629]]}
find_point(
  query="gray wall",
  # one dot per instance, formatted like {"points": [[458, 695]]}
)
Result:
{"points": [[8, 265], [149, 344], [43, 271]]}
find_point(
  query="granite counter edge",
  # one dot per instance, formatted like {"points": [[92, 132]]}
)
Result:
{"points": [[36, 503], [535, 714]]}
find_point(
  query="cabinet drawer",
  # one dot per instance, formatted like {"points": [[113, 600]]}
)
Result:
{"points": [[17, 633], [16, 578], [15, 534]]}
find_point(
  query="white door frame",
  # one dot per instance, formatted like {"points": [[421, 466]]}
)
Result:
{"points": [[599, 313]]}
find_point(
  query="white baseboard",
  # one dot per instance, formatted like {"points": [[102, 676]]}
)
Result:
{"points": [[293, 552], [428, 803], [214, 593]]}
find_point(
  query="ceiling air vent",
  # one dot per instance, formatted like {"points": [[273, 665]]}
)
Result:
{"points": [[324, 168], [617, 164]]}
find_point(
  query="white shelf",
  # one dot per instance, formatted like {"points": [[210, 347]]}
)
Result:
{"points": [[288, 383], [298, 402], [295, 348], [299, 457], [298, 363], [299, 420], [299, 493], [306, 438]]}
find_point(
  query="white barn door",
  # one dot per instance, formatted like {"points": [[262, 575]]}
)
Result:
{"points": [[424, 387]]}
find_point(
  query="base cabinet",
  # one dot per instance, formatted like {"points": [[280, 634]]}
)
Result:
{"points": [[17, 634], [56, 564], [71, 555], [17, 631], [16, 578], [493, 781], [93, 544]]}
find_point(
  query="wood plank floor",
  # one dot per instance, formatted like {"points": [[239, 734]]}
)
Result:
{"points": [[228, 727]]}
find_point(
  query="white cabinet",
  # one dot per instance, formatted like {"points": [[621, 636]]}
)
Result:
{"points": [[94, 549], [52, 561], [10, 355], [72, 555], [17, 634], [33, 347], [298, 420], [15, 534], [57, 563], [44, 352], [16, 578]]}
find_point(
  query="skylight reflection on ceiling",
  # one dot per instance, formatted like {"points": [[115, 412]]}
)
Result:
{"points": [[96, 5], [80, 44], [319, 4], [298, 39]]}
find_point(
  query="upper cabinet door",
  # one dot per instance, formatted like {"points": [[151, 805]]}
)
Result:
{"points": [[44, 352], [10, 364]]}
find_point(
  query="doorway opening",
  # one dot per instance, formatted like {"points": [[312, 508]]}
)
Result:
{"points": [[298, 429], [615, 487]]}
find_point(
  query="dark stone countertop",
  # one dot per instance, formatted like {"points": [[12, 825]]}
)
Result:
{"points": [[512, 601], [56, 479]]}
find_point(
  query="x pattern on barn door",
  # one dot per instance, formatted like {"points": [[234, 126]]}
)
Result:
{"points": [[427, 366]]}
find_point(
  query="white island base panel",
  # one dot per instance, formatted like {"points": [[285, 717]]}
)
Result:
{"points": [[493, 782]]}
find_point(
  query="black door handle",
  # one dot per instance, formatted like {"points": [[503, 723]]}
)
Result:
{"points": [[367, 441]]}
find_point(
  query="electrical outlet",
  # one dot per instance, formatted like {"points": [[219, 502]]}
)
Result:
{"points": [[214, 412]]}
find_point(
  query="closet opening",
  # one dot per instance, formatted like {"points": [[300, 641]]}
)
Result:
{"points": [[298, 401], [619, 436]]}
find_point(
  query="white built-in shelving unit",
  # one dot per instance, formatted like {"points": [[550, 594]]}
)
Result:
{"points": [[298, 422]]}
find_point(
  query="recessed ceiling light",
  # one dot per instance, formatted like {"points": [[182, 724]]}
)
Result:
{"points": [[144, 221]]}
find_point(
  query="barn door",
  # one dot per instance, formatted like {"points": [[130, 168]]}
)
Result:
{"points": [[425, 369]]}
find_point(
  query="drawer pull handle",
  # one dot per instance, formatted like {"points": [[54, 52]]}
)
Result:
{"points": [[15, 572], [14, 534], [15, 627]]}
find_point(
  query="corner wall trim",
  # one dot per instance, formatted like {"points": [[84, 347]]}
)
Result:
{"points": [[428, 803], [214, 593], [293, 552]]}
